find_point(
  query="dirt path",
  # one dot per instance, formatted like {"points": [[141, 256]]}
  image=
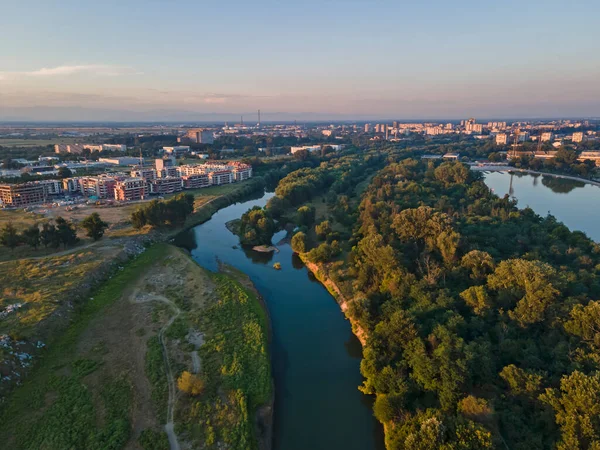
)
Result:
{"points": [[169, 426], [195, 362]]}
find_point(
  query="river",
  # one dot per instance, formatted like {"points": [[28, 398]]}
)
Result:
{"points": [[575, 203], [315, 356]]}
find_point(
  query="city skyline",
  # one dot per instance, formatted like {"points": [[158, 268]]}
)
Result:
{"points": [[156, 61]]}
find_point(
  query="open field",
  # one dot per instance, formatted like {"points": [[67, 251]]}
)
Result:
{"points": [[10, 142]]}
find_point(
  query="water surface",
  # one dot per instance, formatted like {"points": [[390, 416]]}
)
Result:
{"points": [[315, 356], [575, 203]]}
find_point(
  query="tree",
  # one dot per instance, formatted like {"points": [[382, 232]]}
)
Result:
{"points": [[477, 298], [299, 242], [528, 282], [49, 236], [31, 236], [190, 384], [8, 236], [305, 216], [94, 226], [479, 263], [585, 323], [64, 172], [65, 232], [323, 229], [577, 410]]}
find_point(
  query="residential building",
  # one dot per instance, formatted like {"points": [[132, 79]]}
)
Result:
{"points": [[220, 177], [578, 137], [166, 185], [195, 181], [200, 136], [51, 187], [20, 195], [102, 186], [147, 174], [591, 155], [130, 189], [501, 139], [367, 127], [327, 133], [161, 163], [521, 136], [546, 136], [241, 171]]}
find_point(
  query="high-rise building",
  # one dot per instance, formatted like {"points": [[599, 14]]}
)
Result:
{"points": [[578, 136], [200, 136], [546, 136], [501, 139], [367, 127]]}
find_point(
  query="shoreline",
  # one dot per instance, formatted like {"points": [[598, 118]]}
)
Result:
{"points": [[531, 172], [265, 414], [336, 293]]}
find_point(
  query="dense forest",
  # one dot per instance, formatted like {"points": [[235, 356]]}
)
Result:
{"points": [[481, 328], [479, 321]]}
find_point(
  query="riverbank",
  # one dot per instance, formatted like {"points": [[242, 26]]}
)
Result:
{"points": [[320, 274], [531, 172], [265, 413]]}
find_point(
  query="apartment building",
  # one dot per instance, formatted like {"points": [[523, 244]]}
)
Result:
{"points": [[102, 186], [578, 137], [20, 195], [130, 189], [195, 181], [546, 136], [241, 173], [501, 139], [220, 177], [146, 174], [592, 155], [166, 185], [71, 185], [51, 187]]}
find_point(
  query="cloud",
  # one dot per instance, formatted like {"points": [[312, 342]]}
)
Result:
{"points": [[68, 70]]}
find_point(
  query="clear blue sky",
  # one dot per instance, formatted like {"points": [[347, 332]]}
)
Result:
{"points": [[150, 59]]}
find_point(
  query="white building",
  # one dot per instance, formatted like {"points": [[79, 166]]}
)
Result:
{"points": [[501, 139]]}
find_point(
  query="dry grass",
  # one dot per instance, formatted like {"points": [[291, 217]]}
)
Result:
{"points": [[43, 285]]}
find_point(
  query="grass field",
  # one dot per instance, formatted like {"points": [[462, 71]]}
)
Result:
{"points": [[10, 142]]}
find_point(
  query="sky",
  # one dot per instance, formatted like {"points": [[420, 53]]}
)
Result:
{"points": [[182, 60]]}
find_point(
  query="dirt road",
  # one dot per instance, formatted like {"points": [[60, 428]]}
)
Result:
{"points": [[169, 426]]}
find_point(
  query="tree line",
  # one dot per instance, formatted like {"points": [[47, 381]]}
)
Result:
{"points": [[162, 213], [51, 234]]}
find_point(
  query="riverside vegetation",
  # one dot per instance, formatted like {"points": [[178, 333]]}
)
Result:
{"points": [[92, 390], [478, 319]]}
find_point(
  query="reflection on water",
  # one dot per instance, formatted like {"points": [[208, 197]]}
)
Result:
{"points": [[315, 357], [573, 202], [561, 185]]}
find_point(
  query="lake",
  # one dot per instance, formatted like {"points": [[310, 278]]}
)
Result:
{"points": [[575, 203], [315, 356]]}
